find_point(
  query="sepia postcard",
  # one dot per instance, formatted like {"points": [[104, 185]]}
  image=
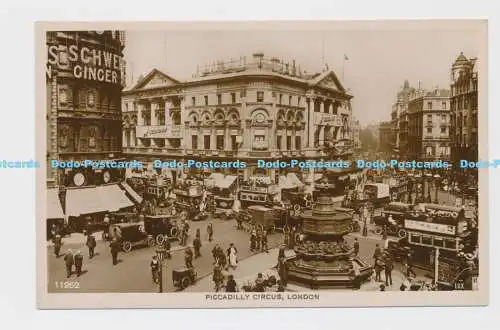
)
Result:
{"points": [[262, 164]]}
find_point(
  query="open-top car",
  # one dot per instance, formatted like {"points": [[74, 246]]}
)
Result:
{"points": [[130, 235], [161, 227], [393, 217]]}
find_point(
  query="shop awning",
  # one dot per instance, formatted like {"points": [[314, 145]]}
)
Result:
{"points": [[114, 198], [84, 201], [293, 179], [54, 208], [132, 192], [284, 183], [226, 182]]}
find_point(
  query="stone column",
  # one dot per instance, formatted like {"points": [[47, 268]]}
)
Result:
{"points": [[310, 123], [271, 133], [321, 135], [154, 107], [140, 108], [213, 138], [124, 137], [247, 134], [168, 105], [132, 137], [322, 106]]}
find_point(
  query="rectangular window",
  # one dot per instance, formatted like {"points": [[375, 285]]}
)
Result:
{"points": [[206, 140], [443, 130], [281, 98], [429, 105], [233, 98], [297, 143], [260, 96], [278, 142], [234, 146], [298, 101], [194, 141], [290, 100], [219, 99], [429, 130], [288, 143], [220, 142], [443, 105], [193, 101], [206, 100], [443, 118]]}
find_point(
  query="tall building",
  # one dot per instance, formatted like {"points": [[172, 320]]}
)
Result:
{"points": [[464, 110], [261, 108], [385, 135], [399, 119], [429, 125], [84, 83]]}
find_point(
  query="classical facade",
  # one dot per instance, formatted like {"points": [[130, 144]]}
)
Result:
{"points": [[429, 125], [84, 79], [261, 108], [464, 109]]}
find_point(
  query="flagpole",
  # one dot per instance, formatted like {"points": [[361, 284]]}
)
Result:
{"points": [[343, 68]]}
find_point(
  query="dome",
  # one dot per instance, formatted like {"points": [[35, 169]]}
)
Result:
{"points": [[461, 59]]}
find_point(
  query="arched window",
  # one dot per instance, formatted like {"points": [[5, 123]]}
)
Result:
{"points": [[176, 119]]}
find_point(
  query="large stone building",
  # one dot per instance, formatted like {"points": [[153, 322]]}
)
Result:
{"points": [[385, 136], [399, 120], [262, 108], [84, 80], [429, 125], [464, 109]]}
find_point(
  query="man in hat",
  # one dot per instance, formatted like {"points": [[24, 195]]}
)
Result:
{"points": [[91, 244], [356, 246], [210, 232], [69, 261], [197, 244], [388, 267], [78, 262], [57, 244], [188, 258], [115, 248]]}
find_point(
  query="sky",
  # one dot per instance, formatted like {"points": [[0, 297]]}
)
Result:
{"points": [[379, 60]]}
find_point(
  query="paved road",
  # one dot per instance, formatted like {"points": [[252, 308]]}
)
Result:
{"points": [[133, 274]]}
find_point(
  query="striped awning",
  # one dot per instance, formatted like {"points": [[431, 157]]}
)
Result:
{"points": [[91, 200], [132, 192]]}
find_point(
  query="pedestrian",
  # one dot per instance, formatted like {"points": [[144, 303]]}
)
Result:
{"points": [[259, 283], [232, 256], [91, 244], [377, 253], [283, 272], [281, 255], [253, 239], [78, 257], [188, 258], [263, 244], [409, 266], [356, 247], [388, 267], [217, 277], [210, 232], [57, 240], [291, 240], [215, 252], [69, 261], [185, 232], [115, 248], [379, 266], [231, 284], [155, 266], [197, 245], [258, 238]]}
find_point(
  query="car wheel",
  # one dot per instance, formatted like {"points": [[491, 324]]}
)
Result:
{"points": [[160, 239], [378, 230], [185, 282], [402, 233], [173, 232], [151, 241], [126, 246]]}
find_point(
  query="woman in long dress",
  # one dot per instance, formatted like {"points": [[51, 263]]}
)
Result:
{"points": [[233, 256]]}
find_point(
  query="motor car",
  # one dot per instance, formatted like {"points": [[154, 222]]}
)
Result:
{"points": [[161, 227], [131, 235]]}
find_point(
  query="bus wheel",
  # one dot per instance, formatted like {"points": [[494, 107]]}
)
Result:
{"points": [[378, 230], [402, 233], [286, 229], [160, 239]]}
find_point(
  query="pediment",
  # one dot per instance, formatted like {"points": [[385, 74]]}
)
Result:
{"points": [[330, 81], [156, 78]]}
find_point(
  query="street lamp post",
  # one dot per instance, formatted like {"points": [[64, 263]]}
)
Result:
{"points": [[365, 216], [161, 254], [436, 177]]}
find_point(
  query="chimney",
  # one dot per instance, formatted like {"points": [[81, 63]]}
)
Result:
{"points": [[294, 71], [257, 58]]}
